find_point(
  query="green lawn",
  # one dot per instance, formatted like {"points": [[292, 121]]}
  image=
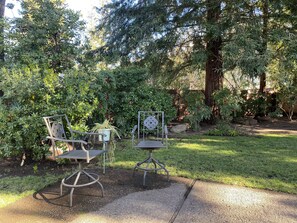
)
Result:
{"points": [[266, 162]]}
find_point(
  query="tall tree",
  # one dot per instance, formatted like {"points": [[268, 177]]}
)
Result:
{"points": [[175, 37], [47, 34], [168, 37], [263, 50], [214, 63]]}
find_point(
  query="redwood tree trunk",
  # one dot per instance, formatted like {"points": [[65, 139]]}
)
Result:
{"points": [[262, 83], [214, 64], [264, 42]]}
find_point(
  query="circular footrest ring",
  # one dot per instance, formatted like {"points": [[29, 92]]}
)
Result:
{"points": [[81, 185], [149, 169]]}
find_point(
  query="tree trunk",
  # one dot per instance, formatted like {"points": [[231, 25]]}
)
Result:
{"points": [[264, 42], [262, 83], [214, 64], [2, 10]]}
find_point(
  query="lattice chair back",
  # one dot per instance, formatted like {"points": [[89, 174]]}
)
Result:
{"points": [[56, 128], [150, 125]]}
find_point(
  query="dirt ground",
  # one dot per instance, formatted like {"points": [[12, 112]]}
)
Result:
{"points": [[273, 126], [117, 183]]}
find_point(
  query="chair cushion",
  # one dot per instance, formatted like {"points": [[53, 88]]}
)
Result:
{"points": [[80, 154], [149, 144]]}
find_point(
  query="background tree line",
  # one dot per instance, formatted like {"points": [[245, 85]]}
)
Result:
{"points": [[138, 50]]}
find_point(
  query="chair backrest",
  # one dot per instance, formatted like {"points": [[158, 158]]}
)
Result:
{"points": [[58, 126], [150, 125]]}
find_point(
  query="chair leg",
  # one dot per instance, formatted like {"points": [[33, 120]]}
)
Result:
{"points": [[77, 175], [72, 189], [65, 179], [139, 164], [154, 162], [104, 158], [162, 165], [97, 181], [144, 174], [157, 166]]}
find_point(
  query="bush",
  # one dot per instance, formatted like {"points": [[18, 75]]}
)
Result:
{"points": [[287, 97], [223, 129], [131, 93], [21, 106], [30, 94], [144, 98], [197, 109], [228, 103], [256, 104]]}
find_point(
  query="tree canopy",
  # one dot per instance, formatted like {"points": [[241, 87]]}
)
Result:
{"points": [[173, 38], [48, 34]]}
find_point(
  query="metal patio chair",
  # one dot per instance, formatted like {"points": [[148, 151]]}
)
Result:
{"points": [[81, 151], [151, 135]]}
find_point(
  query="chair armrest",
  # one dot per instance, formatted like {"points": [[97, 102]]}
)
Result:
{"points": [[88, 133], [165, 130], [67, 140], [166, 135], [134, 129], [91, 134], [132, 132], [72, 141]]}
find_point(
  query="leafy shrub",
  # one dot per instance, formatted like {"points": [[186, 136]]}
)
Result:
{"points": [[131, 93], [197, 109], [223, 129], [255, 104], [143, 98], [30, 94], [21, 106], [287, 97], [228, 103]]}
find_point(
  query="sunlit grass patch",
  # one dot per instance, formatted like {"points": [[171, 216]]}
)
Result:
{"points": [[15, 188], [265, 162]]}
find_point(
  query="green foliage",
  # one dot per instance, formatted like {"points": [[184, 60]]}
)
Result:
{"points": [[223, 129], [197, 109], [47, 34], [255, 104], [78, 95], [287, 97], [98, 127], [30, 93], [228, 103], [21, 106], [143, 98], [131, 94], [284, 76], [106, 125]]}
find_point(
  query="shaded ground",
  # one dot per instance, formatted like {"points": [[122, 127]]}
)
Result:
{"points": [[274, 126], [48, 206]]}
